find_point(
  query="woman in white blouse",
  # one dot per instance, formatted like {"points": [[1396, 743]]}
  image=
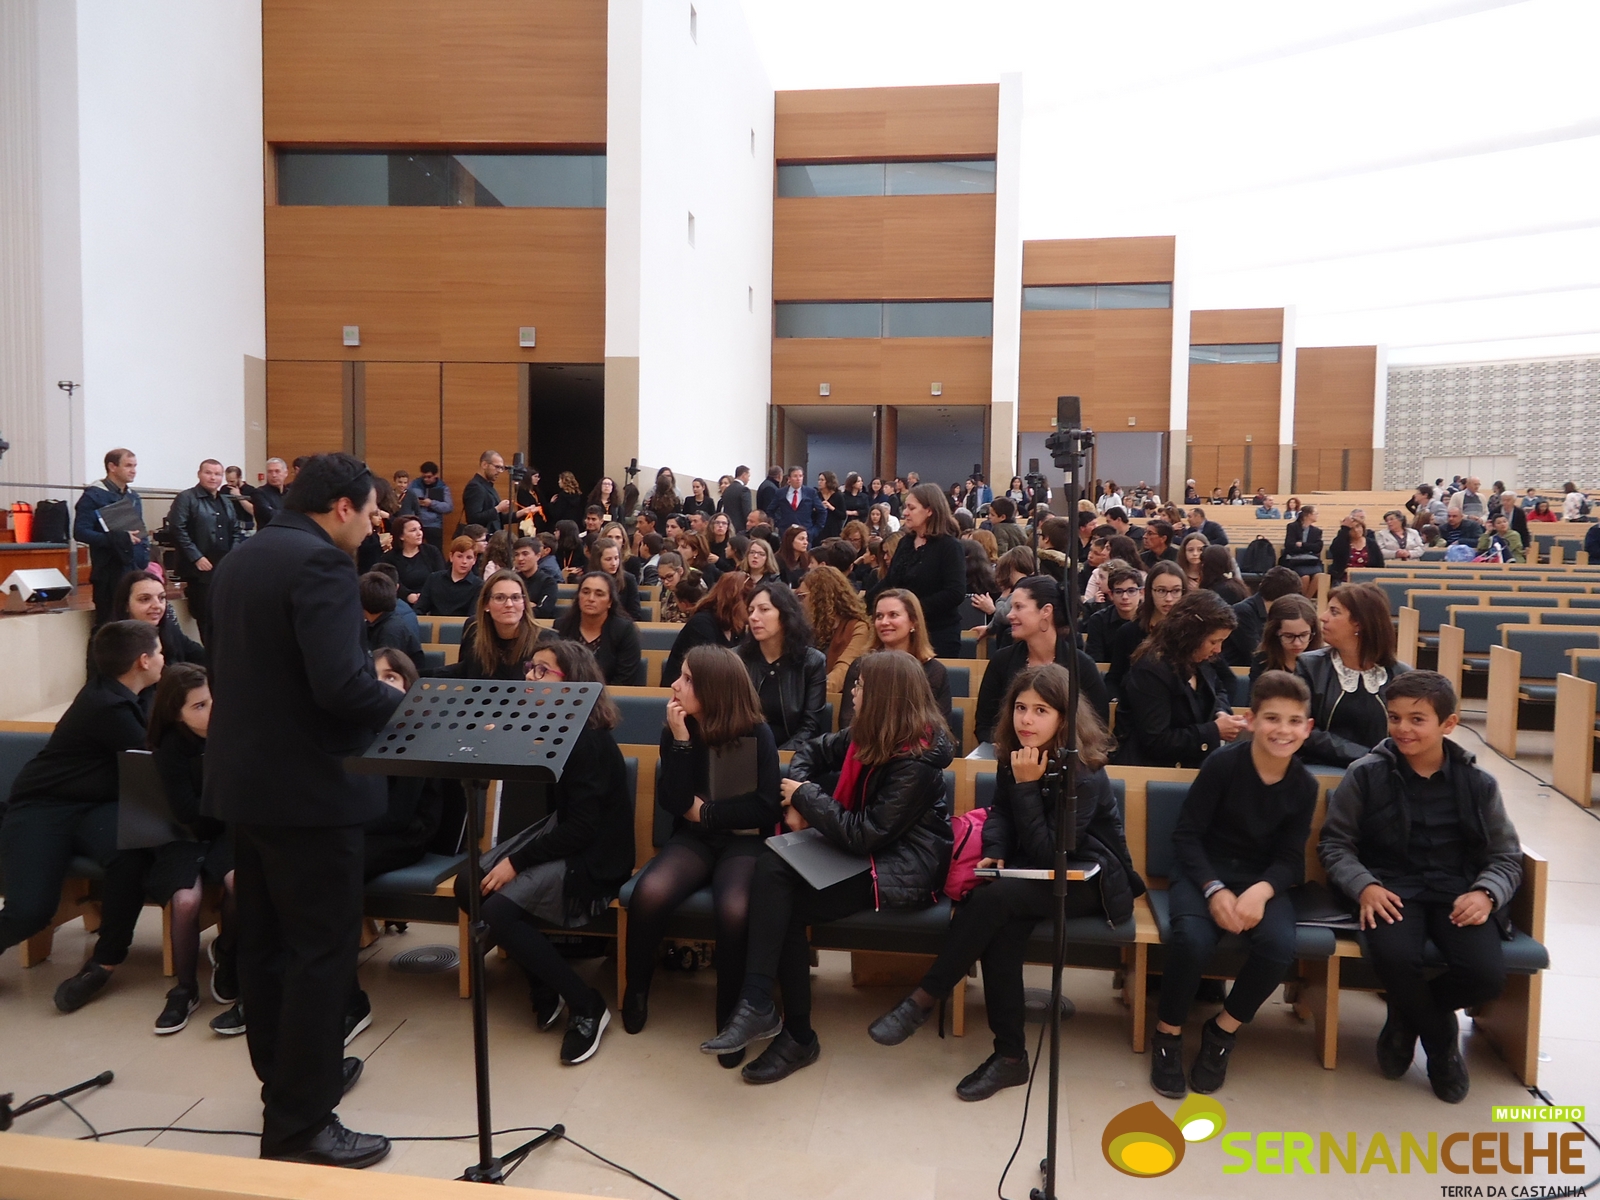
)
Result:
{"points": [[1396, 540]]}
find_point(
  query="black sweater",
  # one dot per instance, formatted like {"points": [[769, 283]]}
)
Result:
{"points": [[701, 629], [1007, 664], [467, 665], [686, 773], [78, 765], [181, 762], [414, 571], [936, 574], [617, 650], [1236, 828], [445, 596]]}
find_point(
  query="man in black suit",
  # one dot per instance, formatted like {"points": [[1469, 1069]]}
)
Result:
{"points": [[480, 502], [206, 526], [735, 500], [767, 493], [1210, 530], [294, 696], [799, 505]]}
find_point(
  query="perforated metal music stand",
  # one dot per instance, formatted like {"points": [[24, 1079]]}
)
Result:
{"points": [[480, 730]]}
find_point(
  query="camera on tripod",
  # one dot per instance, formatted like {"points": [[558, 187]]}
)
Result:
{"points": [[520, 471], [1070, 440]]}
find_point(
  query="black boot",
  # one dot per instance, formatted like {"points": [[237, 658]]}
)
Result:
{"points": [[1397, 1045], [1210, 1070], [1166, 1065], [1447, 1072]]}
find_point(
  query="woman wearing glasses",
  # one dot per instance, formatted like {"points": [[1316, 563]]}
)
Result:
{"points": [[1164, 586], [498, 642], [1291, 629]]}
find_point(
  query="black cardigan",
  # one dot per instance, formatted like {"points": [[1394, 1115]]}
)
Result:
{"points": [[936, 574], [1007, 664], [617, 651], [414, 571], [1162, 721], [701, 629]]}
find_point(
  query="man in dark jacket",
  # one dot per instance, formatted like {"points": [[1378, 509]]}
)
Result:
{"points": [[1251, 613], [799, 505], [767, 493], [64, 802], [735, 500], [111, 554], [481, 504], [294, 696], [207, 529], [268, 496], [1210, 530], [1417, 836], [1158, 545], [542, 586], [1458, 528]]}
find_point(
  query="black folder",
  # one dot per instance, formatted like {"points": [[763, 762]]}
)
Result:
{"points": [[819, 862]]}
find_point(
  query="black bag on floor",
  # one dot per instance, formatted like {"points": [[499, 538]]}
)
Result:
{"points": [[51, 522]]}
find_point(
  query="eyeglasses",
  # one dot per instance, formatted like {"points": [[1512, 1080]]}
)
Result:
{"points": [[1295, 639], [1127, 591], [541, 671], [1166, 593], [507, 598]]}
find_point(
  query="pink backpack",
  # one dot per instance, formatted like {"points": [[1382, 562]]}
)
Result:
{"points": [[965, 854]]}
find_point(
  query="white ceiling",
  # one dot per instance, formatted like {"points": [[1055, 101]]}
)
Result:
{"points": [[1420, 174]]}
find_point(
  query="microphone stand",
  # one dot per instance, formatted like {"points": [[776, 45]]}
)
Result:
{"points": [[1071, 449]]}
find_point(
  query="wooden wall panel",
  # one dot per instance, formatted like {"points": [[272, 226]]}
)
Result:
{"points": [[502, 268], [426, 284], [908, 122], [1098, 260], [1215, 325], [1118, 360], [1229, 400], [376, 72], [881, 370], [305, 408], [480, 411], [401, 409], [883, 247], [1334, 394]]}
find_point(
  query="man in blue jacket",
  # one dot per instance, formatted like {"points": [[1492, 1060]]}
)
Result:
{"points": [[429, 497], [111, 555], [799, 505]]}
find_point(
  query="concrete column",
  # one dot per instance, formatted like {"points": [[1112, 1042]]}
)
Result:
{"points": [[1006, 343], [1286, 360]]}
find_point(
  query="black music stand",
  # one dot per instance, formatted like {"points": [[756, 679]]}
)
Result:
{"points": [[479, 730]]}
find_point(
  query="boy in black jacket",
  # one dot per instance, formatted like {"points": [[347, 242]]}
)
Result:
{"points": [[64, 802], [1241, 845], [1417, 835]]}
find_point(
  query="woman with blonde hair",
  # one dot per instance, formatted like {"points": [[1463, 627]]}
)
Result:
{"points": [[888, 808], [759, 561], [838, 620]]}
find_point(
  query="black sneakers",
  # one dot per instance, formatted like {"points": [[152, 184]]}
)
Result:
{"points": [[337, 1146], [83, 987], [1166, 1065], [1397, 1045], [181, 1001], [582, 1038], [1210, 1070], [782, 1058], [224, 973], [899, 1023], [748, 1024], [995, 1074], [230, 1023]]}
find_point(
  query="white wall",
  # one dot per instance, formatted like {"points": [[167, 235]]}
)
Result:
{"points": [[705, 311], [170, 210]]}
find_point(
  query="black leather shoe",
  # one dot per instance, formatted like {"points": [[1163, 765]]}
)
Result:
{"points": [[635, 1010], [1397, 1045], [83, 987], [1210, 1070], [1166, 1065], [350, 1069], [358, 1017], [996, 1074], [782, 1058], [337, 1146], [1447, 1072], [899, 1023], [729, 1061], [745, 1026]]}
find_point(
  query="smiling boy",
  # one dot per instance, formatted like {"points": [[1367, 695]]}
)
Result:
{"points": [[1417, 835], [1241, 845]]}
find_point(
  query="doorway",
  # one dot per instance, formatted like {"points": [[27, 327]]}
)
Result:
{"points": [[567, 422]]}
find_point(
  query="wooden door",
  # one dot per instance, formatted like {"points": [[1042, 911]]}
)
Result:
{"points": [[400, 410], [307, 404]]}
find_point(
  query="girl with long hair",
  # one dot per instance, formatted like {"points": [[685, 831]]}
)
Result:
{"points": [[828, 493], [607, 498], [993, 923], [700, 499], [565, 869], [1349, 676], [715, 841], [1216, 573], [606, 556], [1291, 629], [1164, 585], [719, 541], [596, 619], [788, 672], [663, 498], [793, 555], [849, 505], [142, 596], [897, 625], [889, 808], [838, 620], [931, 563], [759, 562], [719, 619], [1176, 702], [570, 556], [499, 640], [1190, 551]]}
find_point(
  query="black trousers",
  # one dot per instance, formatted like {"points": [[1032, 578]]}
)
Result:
{"points": [[1195, 936], [1476, 971], [782, 904], [993, 926], [105, 572], [37, 841], [197, 590], [299, 895]]}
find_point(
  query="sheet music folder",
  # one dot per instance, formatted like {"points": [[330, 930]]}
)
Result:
{"points": [[819, 862], [481, 729]]}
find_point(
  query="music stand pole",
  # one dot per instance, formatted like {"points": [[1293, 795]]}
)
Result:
{"points": [[1072, 454]]}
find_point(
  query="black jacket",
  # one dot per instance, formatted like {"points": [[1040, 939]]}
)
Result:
{"points": [[564, 506], [478, 502], [938, 679], [628, 590], [1368, 828], [1021, 830], [617, 651], [1316, 668], [1339, 555], [78, 765], [445, 596], [802, 687], [205, 526], [701, 629], [936, 574], [1211, 531], [1100, 631], [902, 821], [1162, 721], [391, 632], [268, 503], [542, 588], [846, 508], [467, 665], [180, 760], [1007, 664], [593, 829], [766, 498], [735, 501], [414, 571], [686, 773], [293, 690], [1245, 640], [1301, 539]]}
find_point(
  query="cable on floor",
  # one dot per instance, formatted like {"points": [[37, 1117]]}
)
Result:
{"points": [[1544, 1098], [1027, 1097], [1511, 762]]}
